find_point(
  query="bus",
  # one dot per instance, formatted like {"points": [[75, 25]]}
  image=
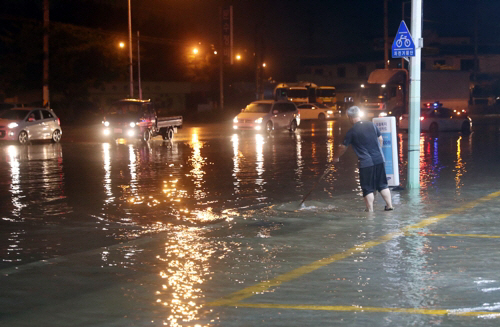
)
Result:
{"points": [[301, 92], [326, 95]]}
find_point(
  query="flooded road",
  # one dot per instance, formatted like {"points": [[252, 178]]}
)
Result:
{"points": [[207, 231]]}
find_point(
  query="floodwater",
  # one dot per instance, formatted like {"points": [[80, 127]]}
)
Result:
{"points": [[133, 234]]}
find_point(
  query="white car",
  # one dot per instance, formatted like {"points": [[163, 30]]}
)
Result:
{"points": [[440, 120], [317, 111], [268, 115], [26, 124]]}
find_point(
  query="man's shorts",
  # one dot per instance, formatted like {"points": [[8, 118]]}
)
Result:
{"points": [[372, 178]]}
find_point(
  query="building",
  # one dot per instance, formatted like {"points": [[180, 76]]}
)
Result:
{"points": [[347, 73]]}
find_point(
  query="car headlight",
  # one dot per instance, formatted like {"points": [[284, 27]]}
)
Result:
{"points": [[12, 125], [132, 124], [330, 112], [382, 114], [235, 120], [259, 120], [106, 123]]}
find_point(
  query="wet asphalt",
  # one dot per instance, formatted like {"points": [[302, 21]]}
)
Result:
{"points": [[207, 231]]}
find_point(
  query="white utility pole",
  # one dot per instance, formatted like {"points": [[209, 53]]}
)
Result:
{"points": [[414, 115]]}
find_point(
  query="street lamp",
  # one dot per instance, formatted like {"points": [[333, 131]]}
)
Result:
{"points": [[238, 57], [195, 50], [121, 45]]}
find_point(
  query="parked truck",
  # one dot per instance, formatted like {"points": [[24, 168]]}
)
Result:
{"points": [[133, 118], [386, 91]]}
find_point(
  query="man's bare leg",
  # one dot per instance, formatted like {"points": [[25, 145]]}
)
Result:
{"points": [[369, 202], [386, 195]]}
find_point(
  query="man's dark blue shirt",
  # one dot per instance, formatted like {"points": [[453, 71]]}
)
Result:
{"points": [[364, 139]]}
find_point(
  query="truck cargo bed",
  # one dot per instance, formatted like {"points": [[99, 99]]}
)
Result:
{"points": [[173, 121]]}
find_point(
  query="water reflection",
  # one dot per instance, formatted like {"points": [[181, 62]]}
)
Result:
{"points": [[299, 160], [186, 267], [35, 193], [459, 167], [259, 162], [197, 163]]}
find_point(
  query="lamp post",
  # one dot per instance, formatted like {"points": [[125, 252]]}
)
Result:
{"points": [[139, 65], [130, 50]]}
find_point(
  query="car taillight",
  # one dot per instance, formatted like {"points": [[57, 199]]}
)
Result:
{"points": [[421, 118], [58, 122]]}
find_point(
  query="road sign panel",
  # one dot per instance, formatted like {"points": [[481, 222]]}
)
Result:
{"points": [[403, 45]]}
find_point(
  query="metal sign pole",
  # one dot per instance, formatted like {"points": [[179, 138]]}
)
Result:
{"points": [[414, 114]]}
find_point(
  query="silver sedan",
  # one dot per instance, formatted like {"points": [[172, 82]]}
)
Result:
{"points": [[26, 124]]}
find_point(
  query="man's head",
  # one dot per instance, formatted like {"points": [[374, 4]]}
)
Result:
{"points": [[353, 114]]}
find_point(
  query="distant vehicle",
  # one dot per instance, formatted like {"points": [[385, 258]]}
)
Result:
{"points": [[27, 124], [317, 111], [386, 91], [434, 118], [268, 115], [132, 118], [327, 95], [298, 93]]}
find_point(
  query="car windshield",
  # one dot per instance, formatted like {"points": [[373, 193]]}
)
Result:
{"points": [[297, 93], [321, 105], [326, 92], [14, 114], [258, 107], [373, 93], [125, 109]]}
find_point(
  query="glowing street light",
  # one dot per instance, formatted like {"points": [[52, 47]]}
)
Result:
{"points": [[195, 50], [264, 64], [238, 57], [121, 45]]}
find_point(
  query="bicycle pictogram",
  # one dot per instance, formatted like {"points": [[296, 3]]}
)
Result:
{"points": [[402, 38]]}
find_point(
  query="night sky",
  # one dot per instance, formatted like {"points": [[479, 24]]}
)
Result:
{"points": [[289, 29]]}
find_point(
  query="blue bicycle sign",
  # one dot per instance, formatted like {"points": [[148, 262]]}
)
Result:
{"points": [[403, 45]]}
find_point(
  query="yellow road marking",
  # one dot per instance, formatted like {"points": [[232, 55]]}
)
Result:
{"points": [[440, 312], [455, 235], [236, 297]]}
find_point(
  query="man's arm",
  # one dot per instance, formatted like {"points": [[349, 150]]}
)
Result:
{"points": [[381, 140], [340, 151]]}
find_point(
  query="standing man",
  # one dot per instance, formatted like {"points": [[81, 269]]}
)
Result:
{"points": [[367, 142]]}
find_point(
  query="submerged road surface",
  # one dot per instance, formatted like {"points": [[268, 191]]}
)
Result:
{"points": [[207, 231]]}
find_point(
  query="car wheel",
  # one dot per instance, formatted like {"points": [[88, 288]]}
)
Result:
{"points": [[434, 128], [56, 136], [23, 137], [269, 126], [321, 116], [168, 135], [293, 126], [466, 127]]}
